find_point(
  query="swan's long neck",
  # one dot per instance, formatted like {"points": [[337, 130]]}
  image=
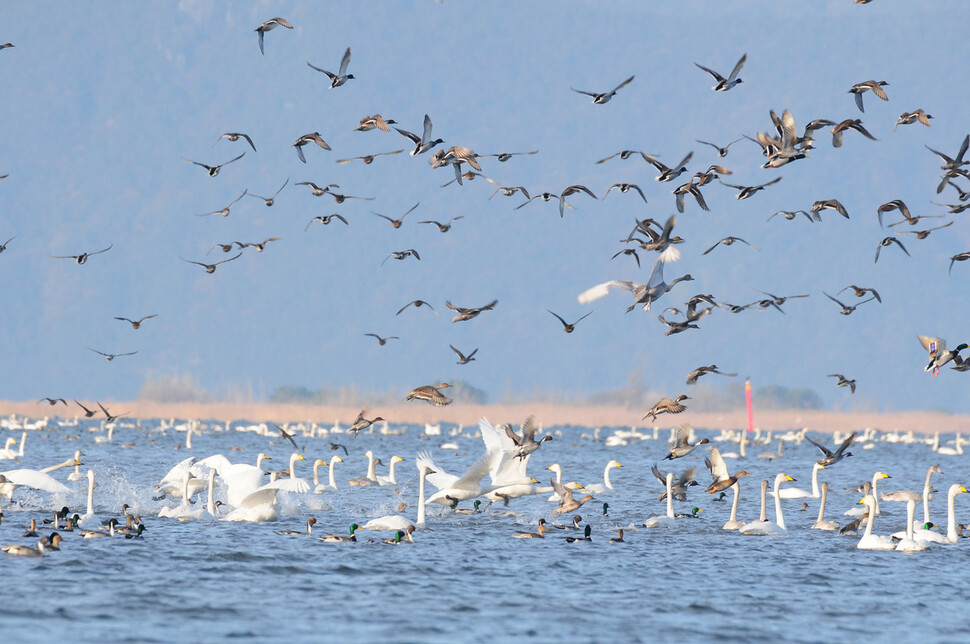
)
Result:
{"points": [[606, 476], [316, 475], [910, 513], [875, 494], [951, 523], [333, 481], [188, 438], [764, 504], [424, 472], [670, 495], [259, 460], [734, 505], [185, 489], [90, 491], [210, 503], [77, 459], [558, 471], [391, 477], [821, 505], [293, 460], [741, 446], [23, 439], [872, 516], [815, 492], [779, 517], [370, 466], [926, 497], [936, 441], [958, 441]]}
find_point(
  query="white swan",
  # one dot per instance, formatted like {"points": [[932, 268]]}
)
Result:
{"points": [[76, 474], [397, 521], [798, 493], [291, 483], [923, 534], [605, 486], [733, 523], [666, 519], [90, 519], [36, 479], [451, 488], [950, 451], [320, 488], [908, 543], [241, 479], [371, 477], [572, 485], [183, 511], [258, 505], [871, 541], [821, 523], [858, 512], [390, 479], [8, 453], [762, 522], [171, 483], [767, 528]]}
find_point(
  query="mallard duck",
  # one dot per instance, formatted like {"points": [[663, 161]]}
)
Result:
{"points": [[600, 99], [939, 355], [341, 77], [876, 87], [724, 84], [339, 538], [270, 25]]}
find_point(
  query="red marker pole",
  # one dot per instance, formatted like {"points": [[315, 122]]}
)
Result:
{"points": [[747, 395]]}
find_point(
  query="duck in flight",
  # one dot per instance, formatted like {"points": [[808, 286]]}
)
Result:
{"points": [[83, 257], [213, 170], [605, 97], [341, 77], [211, 268], [270, 25], [136, 324], [235, 136], [724, 84]]}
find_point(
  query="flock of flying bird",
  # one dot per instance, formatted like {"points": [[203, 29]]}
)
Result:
{"points": [[509, 452]]}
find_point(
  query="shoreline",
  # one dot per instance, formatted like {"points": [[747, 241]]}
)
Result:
{"points": [[545, 413]]}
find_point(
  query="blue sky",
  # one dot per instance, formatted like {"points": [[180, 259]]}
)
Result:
{"points": [[101, 101]]}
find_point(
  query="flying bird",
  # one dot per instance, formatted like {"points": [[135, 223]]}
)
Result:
{"points": [[325, 220], [443, 227], [424, 142], [748, 191], [625, 188], [462, 358], [396, 223], [644, 294], [844, 126], [341, 77], [907, 118], [847, 310], [225, 211], [259, 246], [959, 257], [53, 401], [312, 137], [939, 355], [721, 151], [843, 382], [213, 170], [703, 371], [569, 328], [724, 84], [211, 268], [861, 88], [626, 154], [508, 191], [571, 190], [860, 291], [829, 204], [402, 254], [605, 97], [416, 304], [83, 257], [376, 121], [136, 324], [270, 25], [469, 313], [110, 356], [368, 158], [3, 246], [235, 136], [315, 189], [269, 201], [727, 241], [382, 341], [667, 406], [889, 241], [361, 423], [669, 174], [430, 394], [505, 156], [831, 458]]}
